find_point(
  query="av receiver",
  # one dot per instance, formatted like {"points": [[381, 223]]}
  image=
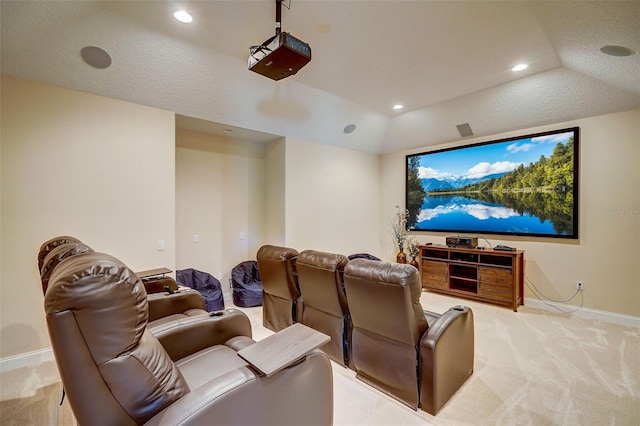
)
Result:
{"points": [[461, 241]]}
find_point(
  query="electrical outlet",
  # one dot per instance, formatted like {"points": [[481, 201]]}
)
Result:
{"points": [[579, 285]]}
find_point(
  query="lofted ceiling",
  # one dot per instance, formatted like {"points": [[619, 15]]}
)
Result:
{"points": [[447, 62]]}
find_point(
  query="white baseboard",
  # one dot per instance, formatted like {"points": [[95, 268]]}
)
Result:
{"points": [[605, 316], [31, 359], [27, 359]]}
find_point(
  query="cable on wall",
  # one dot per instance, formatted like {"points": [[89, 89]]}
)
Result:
{"points": [[481, 237], [544, 298]]}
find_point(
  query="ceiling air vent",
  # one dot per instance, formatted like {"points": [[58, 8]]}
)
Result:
{"points": [[465, 130]]}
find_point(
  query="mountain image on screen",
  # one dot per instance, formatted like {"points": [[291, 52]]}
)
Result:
{"points": [[451, 182], [521, 186]]}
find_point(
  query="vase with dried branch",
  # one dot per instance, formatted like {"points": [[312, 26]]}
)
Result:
{"points": [[414, 251], [399, 228]]}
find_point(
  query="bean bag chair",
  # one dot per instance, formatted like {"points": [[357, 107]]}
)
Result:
{"points": [[246, 284], [204, 283], [363, 256]]}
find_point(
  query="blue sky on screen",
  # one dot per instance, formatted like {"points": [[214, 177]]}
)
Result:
{"points": [[483, 160]]}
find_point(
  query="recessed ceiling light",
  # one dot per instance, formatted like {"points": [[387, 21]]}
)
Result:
{"points": [[228, 131], [183, 16], [398, 106], [520, 67], [617, 51]]}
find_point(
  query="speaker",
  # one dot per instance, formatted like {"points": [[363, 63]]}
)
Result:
{"points": [[279, 57]]}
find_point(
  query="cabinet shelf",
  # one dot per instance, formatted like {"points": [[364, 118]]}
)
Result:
{"points": [[485, 275]]}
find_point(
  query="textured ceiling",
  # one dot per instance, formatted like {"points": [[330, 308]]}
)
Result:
{"points": [[448, 62]]}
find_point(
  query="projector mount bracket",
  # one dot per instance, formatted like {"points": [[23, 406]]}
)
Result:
{"points": [[263, 47]]}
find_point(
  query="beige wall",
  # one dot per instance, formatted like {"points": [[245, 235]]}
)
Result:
{"points": [[109, 172], [219, 195], [607, 256], [274, 192], [294, 193], [77, 164], [332, 198]]}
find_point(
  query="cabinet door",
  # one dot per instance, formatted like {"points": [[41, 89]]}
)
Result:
{"points": [[435, 274], [496, 283]]}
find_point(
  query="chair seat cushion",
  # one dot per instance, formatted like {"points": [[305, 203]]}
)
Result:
{"points": [[208, 364]]}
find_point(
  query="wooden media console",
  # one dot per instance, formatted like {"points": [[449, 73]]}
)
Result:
{"points": [[486, 275]]}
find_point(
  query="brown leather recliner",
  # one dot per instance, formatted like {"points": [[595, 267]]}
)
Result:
{"points": [[172, 317], [49, 245], [420, 358], [325, 308], [281, 302], [116, 372], [163, 307], [56, 253]]}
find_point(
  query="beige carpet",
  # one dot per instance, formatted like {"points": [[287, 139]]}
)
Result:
{"points": [[533, 367]]}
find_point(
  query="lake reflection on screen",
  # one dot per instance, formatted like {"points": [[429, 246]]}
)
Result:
{"points": [[457, 212]]}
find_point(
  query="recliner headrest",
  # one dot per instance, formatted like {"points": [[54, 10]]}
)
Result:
{"points": [[372, 285], [383, 272], [107, 299], [276, 253], [278, 271], [57, 255], [322, 260], [49, 245]]}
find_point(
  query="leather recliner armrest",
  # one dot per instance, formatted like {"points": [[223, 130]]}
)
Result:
{"points": [[184, 337], [446, 357], [165, 304], [304, 396]]}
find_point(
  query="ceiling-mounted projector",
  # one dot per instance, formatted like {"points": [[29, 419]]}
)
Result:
{"points": [[280, 56]]}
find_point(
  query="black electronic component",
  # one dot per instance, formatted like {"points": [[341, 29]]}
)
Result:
{"points": [[458, 241], [280, 56]]}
